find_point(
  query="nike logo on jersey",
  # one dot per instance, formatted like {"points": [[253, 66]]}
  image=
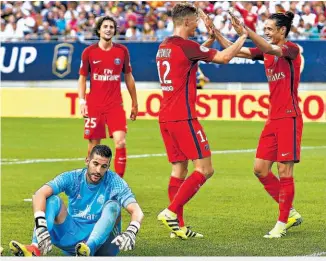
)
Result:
{"points": [[285, 154], [95, 62]]}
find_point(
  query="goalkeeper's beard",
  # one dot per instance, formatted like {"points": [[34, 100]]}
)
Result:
{"points": [[94, 178]]}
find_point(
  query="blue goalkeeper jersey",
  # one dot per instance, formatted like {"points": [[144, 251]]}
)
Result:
{"points": [[86, 201]]}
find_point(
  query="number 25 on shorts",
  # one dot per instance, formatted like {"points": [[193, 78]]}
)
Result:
{"points": [[90, 123]]}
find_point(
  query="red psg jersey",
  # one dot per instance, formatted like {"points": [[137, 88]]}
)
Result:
{"points": [[105, 69], [283, 75], [176, 61]]}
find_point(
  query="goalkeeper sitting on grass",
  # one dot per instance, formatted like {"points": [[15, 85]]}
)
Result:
{"points": [[90, 225]]}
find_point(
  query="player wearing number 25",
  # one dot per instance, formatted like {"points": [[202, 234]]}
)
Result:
{"points": [[183, 136], [105, 61]]}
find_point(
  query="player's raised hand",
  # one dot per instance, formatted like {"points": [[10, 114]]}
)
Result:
{"points": [[237, 25], [134, 112]]}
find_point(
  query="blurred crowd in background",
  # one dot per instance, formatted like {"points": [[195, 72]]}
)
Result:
{"points": [[147, 20]]}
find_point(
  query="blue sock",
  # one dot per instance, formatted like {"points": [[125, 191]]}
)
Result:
{"points": [[53, 206], [103, 226]]}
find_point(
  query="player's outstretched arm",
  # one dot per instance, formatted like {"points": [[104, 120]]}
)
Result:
{"points": [[259, 41], [130, 83], [81, 95], [224, 42], [227, 54], [127, 240], [41, 230]]}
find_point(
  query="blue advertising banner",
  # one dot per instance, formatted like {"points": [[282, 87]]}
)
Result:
{"points": [[54, 61]]}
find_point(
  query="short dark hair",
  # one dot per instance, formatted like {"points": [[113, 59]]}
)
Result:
{"points": [[101, 150], [283, 19], [181, 10], [100, 22]]}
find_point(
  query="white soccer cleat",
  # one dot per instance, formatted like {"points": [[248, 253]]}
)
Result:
{"points": [[277, 232]]}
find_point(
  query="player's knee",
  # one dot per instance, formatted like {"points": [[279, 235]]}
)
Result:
{"points": [[207, 171], [210, 173], [54, 202], [285, 172], [259, 171], [121, 143], [112, 207]]}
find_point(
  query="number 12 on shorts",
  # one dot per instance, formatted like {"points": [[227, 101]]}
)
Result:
{"points": [[90, 123], [201, 135]]}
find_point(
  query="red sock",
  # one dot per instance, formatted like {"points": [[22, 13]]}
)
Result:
{"points": [[187, 190], [120, 161], [173, 188], [271, 185], [286, 198]]}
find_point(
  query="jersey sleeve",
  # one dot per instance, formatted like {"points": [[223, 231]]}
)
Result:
{"points": [[256, 54], [84, 63], [124, 194], [126, 64], [290, 50], [62, 183], [196, 52]]}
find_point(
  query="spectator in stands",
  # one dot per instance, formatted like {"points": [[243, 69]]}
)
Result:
{"points": [[161, 32], [293, 9], [299, 31], [321, 22], [311, 31], [308, 17], [261, 24], [250, 19], [133, 33], [148, 33]]}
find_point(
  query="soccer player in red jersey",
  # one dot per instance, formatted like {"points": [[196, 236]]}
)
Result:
{"points": [[280, 140], [105, 61], [183, 136]]}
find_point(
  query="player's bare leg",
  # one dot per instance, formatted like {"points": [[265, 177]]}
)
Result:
{"points": [[91, 145], [120, 159]]}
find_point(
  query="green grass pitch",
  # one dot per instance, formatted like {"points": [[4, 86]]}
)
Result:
{"points": [[232, 209]]}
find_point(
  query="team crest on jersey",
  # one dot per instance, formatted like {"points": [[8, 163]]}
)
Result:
{"points": [[117, 61], [100, 199], [62, 56], [204, 49], [87, 132]]}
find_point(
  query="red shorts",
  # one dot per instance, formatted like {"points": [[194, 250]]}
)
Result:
{"points": [[280, 140], [115, 119], [184, 140]]}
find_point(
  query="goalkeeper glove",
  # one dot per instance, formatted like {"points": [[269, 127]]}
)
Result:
{"points": [[127, 240], [42, 233]]}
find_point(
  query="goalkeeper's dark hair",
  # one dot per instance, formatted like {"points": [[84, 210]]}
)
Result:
{"points": [[101, 150], [181, 10], [100, 22], [283, 19]]}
